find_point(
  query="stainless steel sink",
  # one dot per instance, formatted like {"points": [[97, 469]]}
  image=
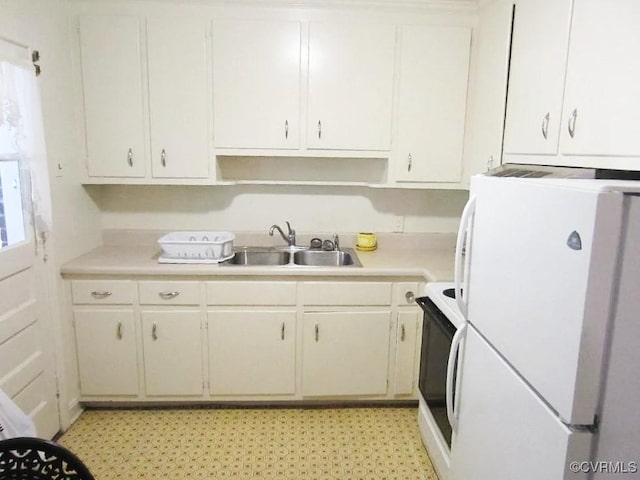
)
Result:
{"points": [[320, 258], [273, 256], [259, 256]]}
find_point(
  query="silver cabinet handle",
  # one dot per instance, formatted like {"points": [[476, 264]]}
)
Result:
{"points": [[168, 295], [317, 331], [163, 158], [490, 163], [545, 126], [402, 332], [410, 296], [282, 331], [572, 122], [119, 331], [101, 293], [130, 157], [154, 331], [410, 162], [286, 129], [319, 130]]}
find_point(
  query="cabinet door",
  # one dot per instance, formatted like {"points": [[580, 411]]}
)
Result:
{"points": [[536, 76], [172, 352], [351, 69], [178, 97], [406, 338], [345, 353], [113, 95], [252, 352], [434, 73], [106, 346], [256, 83], [602, 99]]}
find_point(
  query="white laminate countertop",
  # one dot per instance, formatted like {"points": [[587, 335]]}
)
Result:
{"points": [[431, 260]]}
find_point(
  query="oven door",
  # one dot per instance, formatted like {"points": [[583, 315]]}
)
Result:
{"points": [[435, 429]]}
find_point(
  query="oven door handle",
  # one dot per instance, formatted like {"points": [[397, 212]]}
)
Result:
{"points": [[452, 413], [464, 234]]}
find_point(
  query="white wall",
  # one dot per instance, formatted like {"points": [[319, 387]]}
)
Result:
{"points": [[256, 208], [43, 25]]}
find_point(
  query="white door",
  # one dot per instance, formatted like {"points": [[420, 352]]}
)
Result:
{"points": [[536, 76], [434, 74], [178, 97], [172, 346], [252, 352], [504, 430], [602, 99], [350, 86], [256, 83], [27, 365], [113, 95], [345, 353], [540, 280]]}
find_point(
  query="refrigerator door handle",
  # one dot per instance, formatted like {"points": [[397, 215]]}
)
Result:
{"points": [[451, 365], [464, 232]]}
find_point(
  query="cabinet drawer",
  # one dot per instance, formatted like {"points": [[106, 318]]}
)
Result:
{"points": [[405, 293], [169, 293], [346, 293], [251, 293], [114, 292]]}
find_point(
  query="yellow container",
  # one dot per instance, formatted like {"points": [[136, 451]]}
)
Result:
{"points": [[366, 241]]}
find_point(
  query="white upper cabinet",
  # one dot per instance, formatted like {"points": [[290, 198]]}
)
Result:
{"points": [[434, 74], [178, 97], [580, 108], [113, 95], [601, 114], [536, 77], [351, 68], [256, 84]]}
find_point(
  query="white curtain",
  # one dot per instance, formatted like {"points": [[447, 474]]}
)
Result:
{"points": [[21, 117]]}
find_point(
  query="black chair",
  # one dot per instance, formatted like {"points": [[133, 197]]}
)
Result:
{"points": [[27, 458]]}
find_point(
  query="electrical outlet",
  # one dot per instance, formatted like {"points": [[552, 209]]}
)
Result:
{"points": [[398, 224]]}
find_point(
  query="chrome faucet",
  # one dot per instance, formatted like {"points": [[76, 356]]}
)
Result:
{"points": [[290, 238]]}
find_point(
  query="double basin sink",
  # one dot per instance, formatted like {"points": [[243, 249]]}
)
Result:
{"points": [[274, 256]]}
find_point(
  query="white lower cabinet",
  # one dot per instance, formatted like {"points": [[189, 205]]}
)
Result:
{"points": [[172, 348], [252, 352], [106, 347], [163, 339], [345, 353]]}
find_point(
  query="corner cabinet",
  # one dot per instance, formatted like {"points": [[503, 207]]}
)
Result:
{"points": [[163, 60], [573, 90], [351, 69], [113, 95], [235, 339]]}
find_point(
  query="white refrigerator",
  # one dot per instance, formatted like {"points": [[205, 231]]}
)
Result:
{"points": [[546, 375]]}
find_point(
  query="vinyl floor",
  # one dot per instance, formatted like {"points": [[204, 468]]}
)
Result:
{"points": [[243, 443]]}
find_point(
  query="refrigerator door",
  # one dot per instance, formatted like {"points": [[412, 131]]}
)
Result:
{"points": [[505, 431], [543, 256]]}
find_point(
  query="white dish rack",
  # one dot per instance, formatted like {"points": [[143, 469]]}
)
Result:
{"points": [[194, 246]]}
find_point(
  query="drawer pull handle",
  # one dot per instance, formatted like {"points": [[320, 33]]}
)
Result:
{"points": [[410, 296], [130, 157], [286, 129], [163, 158], [154, 331], [317, 332], [168, 295], [101, 293], [402, 332], [410, 162], [319, 130], [282, 331], [119, 331]]}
